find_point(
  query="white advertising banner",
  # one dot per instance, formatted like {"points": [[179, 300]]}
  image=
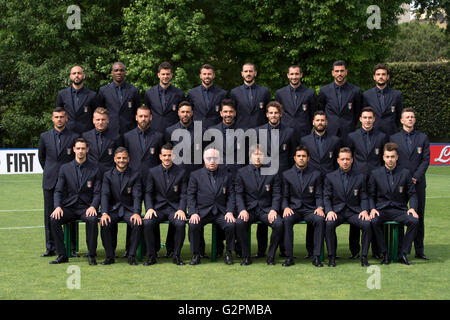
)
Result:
{"points": [[19, 161]]}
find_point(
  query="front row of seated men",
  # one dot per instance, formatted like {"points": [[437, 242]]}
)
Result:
{"points": [[212, 195]]}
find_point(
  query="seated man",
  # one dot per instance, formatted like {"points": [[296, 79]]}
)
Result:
{"points": [[77, 197], [390, 188], [121, 201], [211, 199], [302, 200], [345, 199], [165, 199], [258, 198]]}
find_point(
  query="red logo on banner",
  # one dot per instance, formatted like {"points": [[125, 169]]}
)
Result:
{"points": [[440, 154]]}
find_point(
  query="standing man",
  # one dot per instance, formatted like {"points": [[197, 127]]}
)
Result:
{"points": [[386, 102], [206, 98], [414, 154], [390, 189], [258, 198], [55, 149], [251, 99], [345, 199], [121, 201], [77, 197], [78, 101], [341, 102], [121, 99], [163, 99], [211, 199], [165, 199], [299, 102], [302, 200]]}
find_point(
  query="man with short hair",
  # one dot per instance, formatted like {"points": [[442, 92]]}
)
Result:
{"points": [[206, 98], [390, 188], [341, 102], [163, 99], [386, 102], [78, 101], [299, 102], [251, 99], [121, 99], [77, 197], [414, 154]]}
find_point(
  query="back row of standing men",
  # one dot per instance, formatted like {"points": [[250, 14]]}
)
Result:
{"points": [[248, 108]]}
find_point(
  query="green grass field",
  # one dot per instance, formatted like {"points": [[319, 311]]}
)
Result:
{"points": [[25, 275]]}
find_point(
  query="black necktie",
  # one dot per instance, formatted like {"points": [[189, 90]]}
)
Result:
{"points": [[381, 100], [212, 179], [390, 179], [58, 142], [300, 177], [163, 99], [142, 139], [258, 176], [320, 145], [345, 181], [409, 142], [166, 176], [367, 140], [339, 96], [120, 94], [79, 174], [206, 95], [250, 95], [76, 100], [99, 141]]}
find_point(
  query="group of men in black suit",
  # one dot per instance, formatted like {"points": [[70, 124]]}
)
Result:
{"points": [[124, 158]]}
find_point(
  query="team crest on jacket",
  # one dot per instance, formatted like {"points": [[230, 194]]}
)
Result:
{"points": [[110, 151], [330, 154], [400, 189], [311, 189], [152, 150], [284, 147], [89, 184], [377, 151], [86, 109], [261, 105], [350, 106], [174, 107], [69, 151], [217, 108], [392, 109], [175, 188], [267, 187], [130, 105], [304, 107], [129, 189], [224, 190], [419, 150], [355, 192]]}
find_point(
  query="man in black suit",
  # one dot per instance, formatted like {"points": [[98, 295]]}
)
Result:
{"points": [[121, 201], [345, 199], [55, 149], [390, 188], [414, 154], [77, 196], [211, 199], [165, 199], [299, 102], [341, 102], [163, 99], [78, 101], [258, 198], [386, 102], [302, 200], [250, 98], [206, 98]]}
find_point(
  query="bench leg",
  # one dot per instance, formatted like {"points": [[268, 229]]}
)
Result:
{"points": [[67, 242], [394, 241]]}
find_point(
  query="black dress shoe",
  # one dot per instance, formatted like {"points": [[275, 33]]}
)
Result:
{"points": [[247, 261], [259, 255], [386, 259], [151, 260], [168, 254], [204, 256], [125, 255], [177, 260], [132, 261], [377, 256], [74, 254], [62, 258], [48, 253], [270, 261], [228, 258], [332, 261], [316, 262], [195, 260], [288, 262], [92, 261], [421, 256], [364, 262], [404, 260], [354, 256], [308, 256], [108, 261]]}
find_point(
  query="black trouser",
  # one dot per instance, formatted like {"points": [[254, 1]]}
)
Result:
{"points": [[421, 194]]}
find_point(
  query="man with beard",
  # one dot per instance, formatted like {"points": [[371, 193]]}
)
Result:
{"points": [[386, 102], [78, 101], [251, 99], [299, 102], [341, 102], [206, 98], [120, 99], [163, 99]]}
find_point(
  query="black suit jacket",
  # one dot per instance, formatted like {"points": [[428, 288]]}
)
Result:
{"points": [[403, 190], [209, 115], [297, 114], [302, 194], [203, 198], [250, 115], [327, 162], [367, 160], [49, 158], [163, 118], [78, 120], [116, 197], [341, 120], [336, 198], [68, 192], [160, 195], [416, 161], [122, 116], [103, 158], [249, 194], [389, 120]]}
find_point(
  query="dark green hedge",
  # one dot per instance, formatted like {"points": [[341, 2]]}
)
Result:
{"points": [[425, 86]]}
